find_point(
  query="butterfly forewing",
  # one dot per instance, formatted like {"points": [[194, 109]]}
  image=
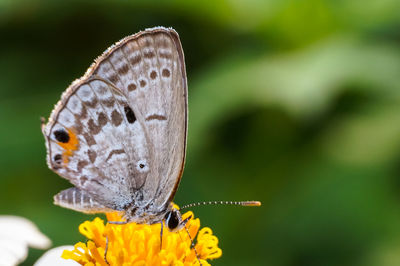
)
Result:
{"points": [[119, 133]]}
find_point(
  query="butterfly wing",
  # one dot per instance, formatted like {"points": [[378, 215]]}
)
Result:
{"points": [[150, 70], [119, 133]]}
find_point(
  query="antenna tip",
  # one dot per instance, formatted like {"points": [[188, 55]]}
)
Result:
{"points": [[252, 203]]}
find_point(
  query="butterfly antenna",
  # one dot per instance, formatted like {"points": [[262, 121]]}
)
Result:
{"points": [[240, 203], [42, 122]]}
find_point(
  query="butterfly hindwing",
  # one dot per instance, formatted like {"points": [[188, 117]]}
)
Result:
{"points": [[92, 143], [79, 200]]}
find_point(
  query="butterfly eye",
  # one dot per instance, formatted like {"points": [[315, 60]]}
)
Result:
{"points": [[172, 220]]}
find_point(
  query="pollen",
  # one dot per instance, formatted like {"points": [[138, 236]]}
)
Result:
{"points": [[139, 244]]}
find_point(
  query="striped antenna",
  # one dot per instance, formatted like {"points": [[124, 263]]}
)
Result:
{"points": [[240, 203]]}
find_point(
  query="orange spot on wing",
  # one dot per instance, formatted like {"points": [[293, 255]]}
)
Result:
{"points": [[69, 146]]}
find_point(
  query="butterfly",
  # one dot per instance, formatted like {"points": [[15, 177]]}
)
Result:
{"points": [[118, 134]]}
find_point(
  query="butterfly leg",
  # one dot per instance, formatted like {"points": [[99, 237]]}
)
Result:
{"points": [[118, 222], [161, 234], [192, 245], [105, 251]]}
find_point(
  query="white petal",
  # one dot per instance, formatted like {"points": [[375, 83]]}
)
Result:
{"points": [[23, 230], [8, 259], [12, 251], [53, 257]]}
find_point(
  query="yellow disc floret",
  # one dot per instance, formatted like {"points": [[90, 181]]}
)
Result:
{"points": [[139, 244]]}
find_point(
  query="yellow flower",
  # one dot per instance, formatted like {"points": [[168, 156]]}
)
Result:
{"points": [[139, 244]]}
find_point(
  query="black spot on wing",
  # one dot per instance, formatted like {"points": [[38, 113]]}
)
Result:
{"points": [[130, 116], [61, 136], [58, 158]]}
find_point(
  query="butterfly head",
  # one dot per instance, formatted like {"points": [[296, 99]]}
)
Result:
{"points": [[173, 220]]}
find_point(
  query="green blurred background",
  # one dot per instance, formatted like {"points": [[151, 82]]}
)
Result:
{"points": [[294, 103]]}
